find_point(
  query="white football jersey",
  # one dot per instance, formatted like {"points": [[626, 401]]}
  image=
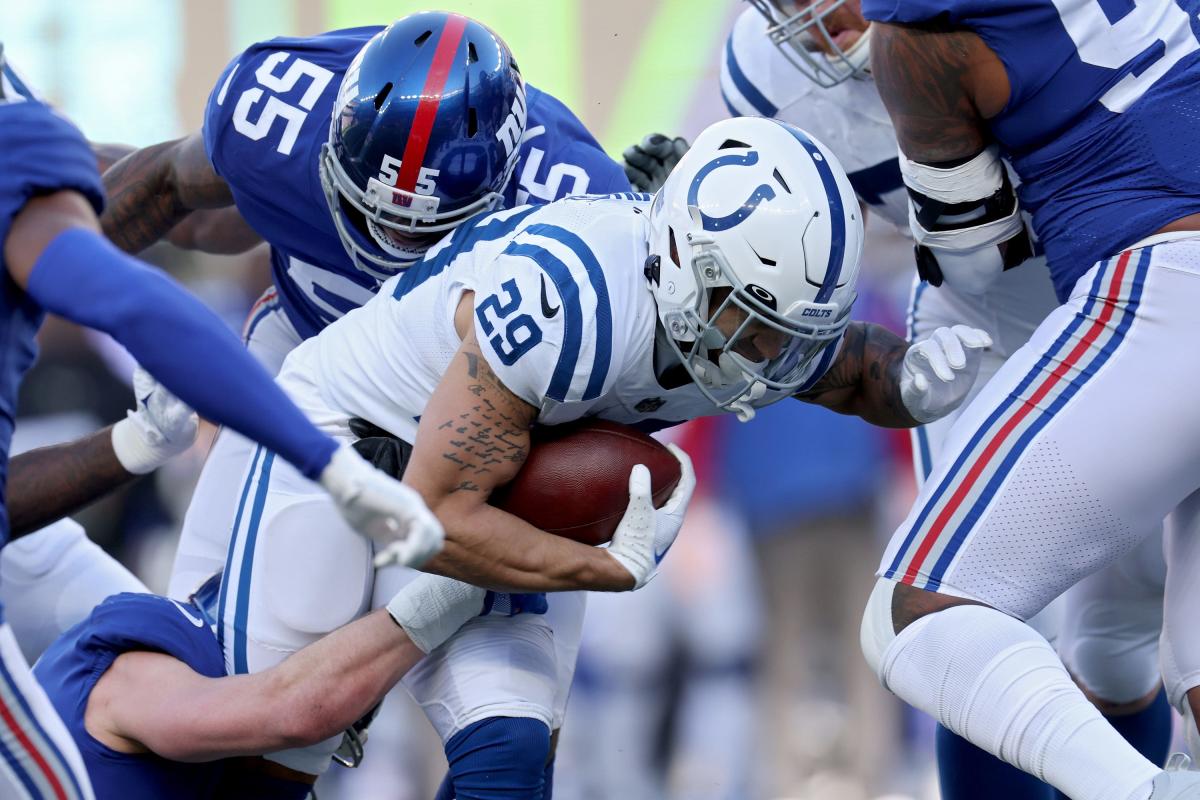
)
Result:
{"points": [[849, 118], [563, 312]]}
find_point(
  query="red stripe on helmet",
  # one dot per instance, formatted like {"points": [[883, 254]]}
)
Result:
{"points": [[431, 98]]}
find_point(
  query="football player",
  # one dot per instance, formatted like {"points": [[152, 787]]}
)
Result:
{"points": [[56, 260], [807, 63], [350, 153], [702, 301], [196, 732], [1030, 498]]}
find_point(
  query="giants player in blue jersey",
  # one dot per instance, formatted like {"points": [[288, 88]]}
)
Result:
{"points": [[350, 153], [56, 260], [1082, 438]]}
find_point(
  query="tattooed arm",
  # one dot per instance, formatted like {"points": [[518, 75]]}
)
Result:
{"points": [[50, 483], [939, 87], [152, 190], [864, 379], [474, 437]]}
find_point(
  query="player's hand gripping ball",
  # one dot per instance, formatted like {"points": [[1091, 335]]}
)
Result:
{"points": [[575, 482]]}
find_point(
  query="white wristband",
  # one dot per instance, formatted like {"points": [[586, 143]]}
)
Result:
{"points": [[432, 608], [129, 443]]}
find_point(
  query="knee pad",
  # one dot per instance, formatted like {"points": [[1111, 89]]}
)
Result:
{"points": [[502, 758], [317, 571], [877, 632]]}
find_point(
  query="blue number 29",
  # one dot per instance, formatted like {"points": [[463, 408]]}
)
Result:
{"points": [[521, 333]]}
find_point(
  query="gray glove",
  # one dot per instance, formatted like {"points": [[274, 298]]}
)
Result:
{"points": [[648, 164]]}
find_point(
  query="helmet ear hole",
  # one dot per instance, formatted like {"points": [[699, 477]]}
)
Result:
{"points": [[674, 249]]}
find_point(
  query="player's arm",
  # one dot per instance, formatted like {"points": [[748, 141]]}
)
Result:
{"points": [[153, 189], [880, 377], [49, 483], [54, 251], [474, 437], [220, 231], [315, 693], [940, 87]]}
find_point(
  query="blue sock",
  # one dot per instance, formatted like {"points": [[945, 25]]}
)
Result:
{"points": [[966, 772], [503, 758], [1149, 730]]}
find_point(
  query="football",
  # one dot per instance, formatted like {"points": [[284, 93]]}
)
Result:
{"points": [[575, 482]]}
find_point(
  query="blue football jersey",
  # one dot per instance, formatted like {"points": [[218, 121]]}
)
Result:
{"points": [[70, 668], [1103, 117], [40, 152], [264, 126]]}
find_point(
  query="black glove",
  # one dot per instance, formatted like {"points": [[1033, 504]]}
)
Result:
{"points": [[648, 164], [382, 449]]}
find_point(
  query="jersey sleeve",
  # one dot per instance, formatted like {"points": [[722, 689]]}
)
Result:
{"points": [[131, 621], [544, 320], [40, 153]]}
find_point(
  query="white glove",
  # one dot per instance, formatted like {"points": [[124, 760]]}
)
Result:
{"points": [[938, 372], [387, 512], [160, 428], [431, 608], [645, 533]]}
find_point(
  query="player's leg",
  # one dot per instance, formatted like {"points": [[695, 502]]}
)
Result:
{"points": [[38, 757], [1033, 500], [491, 693], [295, 572], [1180, 642], [204, 539], [965, 772], [1110, 645], [52, 579]]}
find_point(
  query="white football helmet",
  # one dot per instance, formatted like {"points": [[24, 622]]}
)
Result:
{"points": [[761, 209], [797, 25]]}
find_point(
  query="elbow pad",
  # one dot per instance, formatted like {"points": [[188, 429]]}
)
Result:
{"points": [[966, 220]]}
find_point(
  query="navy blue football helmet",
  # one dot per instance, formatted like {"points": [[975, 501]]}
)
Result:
{"points": [[425, 133]]}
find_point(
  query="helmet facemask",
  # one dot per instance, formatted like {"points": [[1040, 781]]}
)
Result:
{"points": [[717, 344], [383, 208], [804, 39]]}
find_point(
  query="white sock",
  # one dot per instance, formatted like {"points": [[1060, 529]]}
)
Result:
{"points": [[995, 681]]}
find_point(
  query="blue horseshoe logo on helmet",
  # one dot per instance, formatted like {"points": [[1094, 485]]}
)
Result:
{"points": [[763, 192]]}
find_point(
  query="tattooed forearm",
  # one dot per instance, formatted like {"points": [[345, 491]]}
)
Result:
{"points": [[50, 483], [864, 379], [491, 438], [922, 77], [153, 189]]}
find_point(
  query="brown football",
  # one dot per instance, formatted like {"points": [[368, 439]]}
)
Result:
{"points": [[575, 482]]}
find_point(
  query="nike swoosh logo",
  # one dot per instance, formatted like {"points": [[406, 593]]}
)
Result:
{"points": [[146, 400], [547, 311], [658, 557], [199, 623]]}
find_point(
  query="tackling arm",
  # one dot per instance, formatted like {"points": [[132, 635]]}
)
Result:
{"points": [[474, 437], [314, 694]]}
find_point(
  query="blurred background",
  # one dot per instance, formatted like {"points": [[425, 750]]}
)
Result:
{"points": [[737, 674]]}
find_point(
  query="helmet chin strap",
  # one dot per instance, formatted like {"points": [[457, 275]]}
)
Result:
{"points": [[390, 247]]}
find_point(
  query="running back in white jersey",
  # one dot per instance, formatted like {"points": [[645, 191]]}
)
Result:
{"points": [[564, 316]]}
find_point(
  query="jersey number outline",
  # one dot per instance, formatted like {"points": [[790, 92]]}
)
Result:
{"points": [[274, 108], [516, 347], [1101, 42]]}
